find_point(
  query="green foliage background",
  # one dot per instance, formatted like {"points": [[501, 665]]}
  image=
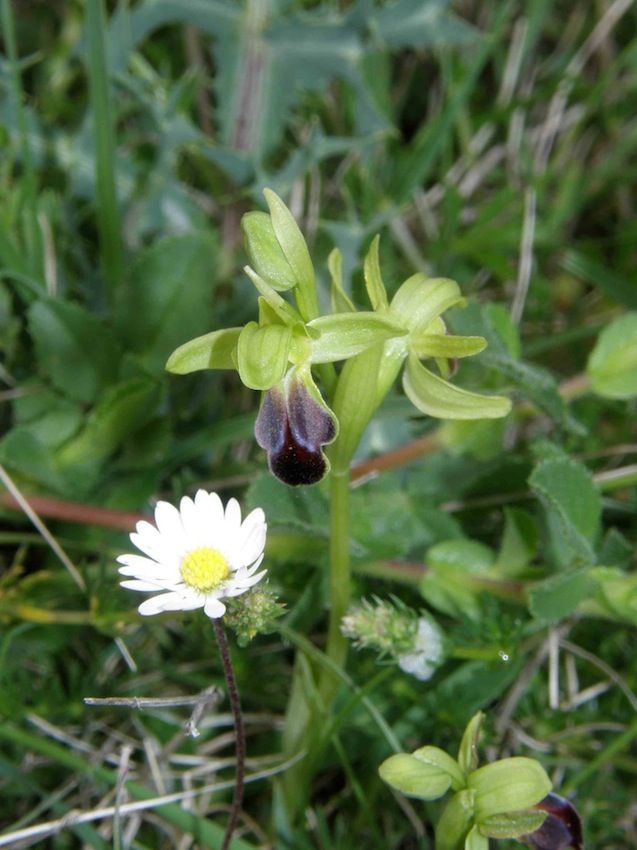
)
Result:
{"points": [[476, 138]]}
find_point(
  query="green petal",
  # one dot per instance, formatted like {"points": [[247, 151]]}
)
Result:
{"points": [[210, 351], [280, 306], [373, 279], [508, 785], [344, 335], [340, 300], [296, 253], [262, 354], [414, 778], [420, 300], [264, 251], [435, 397], [442, 760], [437, 345]]}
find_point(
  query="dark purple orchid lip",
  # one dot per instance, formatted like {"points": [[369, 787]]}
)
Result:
{"points": [[293, 428], [562, 829]]}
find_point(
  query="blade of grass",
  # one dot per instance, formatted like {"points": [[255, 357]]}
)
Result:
{"points": [[108, 215]]}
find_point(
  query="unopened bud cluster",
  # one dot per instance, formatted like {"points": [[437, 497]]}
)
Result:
{"points": [[413, 641], [255, 615]]}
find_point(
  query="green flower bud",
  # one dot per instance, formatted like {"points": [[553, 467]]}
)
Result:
{"points": [[255, 612]]}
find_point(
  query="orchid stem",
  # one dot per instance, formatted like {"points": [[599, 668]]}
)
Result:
{"points": [[240, 738]]}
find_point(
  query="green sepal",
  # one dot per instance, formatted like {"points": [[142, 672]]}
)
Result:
{"points": [[420, 300], [436, 345], [512, 824], [294, 247], [442, 760], [436, 397], [373, 278], [468, 752], [475, 840], [284, 311], [414, 778], [210, 351], [344, 335], [508, 785], [264, 251], [339, 299], [455, 821], [262, 354]]}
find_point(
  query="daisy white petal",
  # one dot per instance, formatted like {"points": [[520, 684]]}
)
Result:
{"points": [[214, 607], [197, 555]]}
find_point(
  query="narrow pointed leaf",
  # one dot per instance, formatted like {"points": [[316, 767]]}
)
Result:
{"points": [[344, 335], [435, 397], [280, 306], [296, 253], [420, 300], [373, 279], [468, 752], [437, 345], [210, 351], [262, 354]]}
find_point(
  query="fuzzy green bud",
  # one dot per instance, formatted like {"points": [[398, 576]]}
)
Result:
{"points": [[253, 613]]}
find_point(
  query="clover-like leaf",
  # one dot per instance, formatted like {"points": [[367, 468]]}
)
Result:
{"points": [[436, 397], [210, 351], [415, 778]]}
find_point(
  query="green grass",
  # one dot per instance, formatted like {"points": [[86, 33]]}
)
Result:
{"points": [[134, 137]]}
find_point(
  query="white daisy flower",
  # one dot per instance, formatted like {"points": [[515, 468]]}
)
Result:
{"points": [[195, 556]]}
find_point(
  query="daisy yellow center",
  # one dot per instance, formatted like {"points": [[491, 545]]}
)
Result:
{"points": [[204, 569]]}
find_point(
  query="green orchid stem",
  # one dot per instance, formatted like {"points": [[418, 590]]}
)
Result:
{"points": [[340, 577]]}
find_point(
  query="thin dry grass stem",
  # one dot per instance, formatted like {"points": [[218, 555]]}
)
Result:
{"points": [[554, 670], [74, 818], [17, 496], [613, 675], [513, 63], [588, 694], [197, 60], [525, 266]]}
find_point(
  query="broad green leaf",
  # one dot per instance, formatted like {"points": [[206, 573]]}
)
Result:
{"points": [[440, 345], [415, 778], [50, 417], [211, 351], [573, 508], [168, 297], [620, 288], [558, 596], [373, 278], [266, 255], [512, 824], [25, 455], [439, 758], [74, 348], [262, 354], [422, 23], [435, 397], [612, 364], [344, 335], [508, 785], [340, 300], [121, 410], [420, 300], [295, 250]]}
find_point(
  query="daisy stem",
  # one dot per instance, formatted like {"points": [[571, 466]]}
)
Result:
{"points": [[239, 730]]}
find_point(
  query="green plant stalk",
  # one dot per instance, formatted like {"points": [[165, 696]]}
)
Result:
{"points": [[340, 574], [108, 215]]}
